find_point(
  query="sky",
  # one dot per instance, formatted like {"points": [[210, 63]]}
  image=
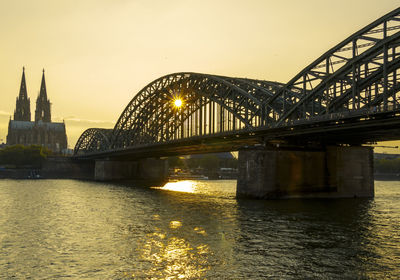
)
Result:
{"points": [[99, 53]]}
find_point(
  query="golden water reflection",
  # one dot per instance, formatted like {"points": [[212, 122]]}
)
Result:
{"points": [[180, 186], [175, 224], [174, 257], [200, 230]]}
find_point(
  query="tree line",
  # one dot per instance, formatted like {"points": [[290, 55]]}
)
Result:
{"points": [[24, 156]]}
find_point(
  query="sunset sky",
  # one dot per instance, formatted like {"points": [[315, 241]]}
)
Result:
{"points": [[99, 53]]}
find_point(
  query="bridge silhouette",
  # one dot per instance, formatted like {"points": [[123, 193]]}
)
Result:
{"points": [[347, 97], [349, 94]]}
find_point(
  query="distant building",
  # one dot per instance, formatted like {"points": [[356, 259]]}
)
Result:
{"points": [[42, 131]]}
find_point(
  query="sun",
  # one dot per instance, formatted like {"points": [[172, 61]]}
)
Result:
{"points": [[178, 103]]}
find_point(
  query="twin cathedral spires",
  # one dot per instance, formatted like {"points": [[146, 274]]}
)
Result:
{"points": [[23, 107]]}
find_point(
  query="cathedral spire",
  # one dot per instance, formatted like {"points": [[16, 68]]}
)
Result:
{"points": [[23, 106], [22, 90], [42, 112], [43, 92]]}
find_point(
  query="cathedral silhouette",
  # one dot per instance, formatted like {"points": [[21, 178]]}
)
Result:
{"points": [[42, 131]]}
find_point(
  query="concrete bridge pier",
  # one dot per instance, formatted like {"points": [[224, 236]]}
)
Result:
{"points": [[336, 172], [149, 171]]}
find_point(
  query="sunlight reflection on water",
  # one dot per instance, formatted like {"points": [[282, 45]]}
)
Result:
{"points": [[52, 229], [180, 186], [176, 255], [210, 188]]}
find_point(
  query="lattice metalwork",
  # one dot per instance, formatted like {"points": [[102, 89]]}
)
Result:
{"points": [[210, 105], [361, 74], [92, 140]]}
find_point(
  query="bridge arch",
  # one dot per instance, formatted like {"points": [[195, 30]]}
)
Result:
{"points": [[341, 69], [93, 140], [211, 105], [360, 73]]}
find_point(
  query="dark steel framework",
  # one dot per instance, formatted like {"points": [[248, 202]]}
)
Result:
{"points": [[358, 76], [93, 140]]}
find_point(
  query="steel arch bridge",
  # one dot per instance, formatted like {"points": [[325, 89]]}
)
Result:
{"points": [[357, 77]]}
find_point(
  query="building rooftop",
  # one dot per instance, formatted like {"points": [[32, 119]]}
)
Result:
{"points": [[24, 125]]}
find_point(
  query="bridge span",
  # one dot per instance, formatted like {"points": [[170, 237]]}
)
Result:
{"points": [[300, 138]]}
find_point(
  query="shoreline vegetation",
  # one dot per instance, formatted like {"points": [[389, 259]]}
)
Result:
{"points": [[20, 156]]}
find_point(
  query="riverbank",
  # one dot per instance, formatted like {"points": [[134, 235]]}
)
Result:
{"points": [[52, 168]]}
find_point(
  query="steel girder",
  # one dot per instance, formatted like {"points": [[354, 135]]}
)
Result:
{"points": [[92, 140], [334, 80], [211, 105], [359, 74]]}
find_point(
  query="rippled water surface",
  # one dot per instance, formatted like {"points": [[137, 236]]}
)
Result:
{"points": [[84, 230]]}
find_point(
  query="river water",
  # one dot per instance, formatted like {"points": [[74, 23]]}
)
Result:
{"points": [[52, 229]]}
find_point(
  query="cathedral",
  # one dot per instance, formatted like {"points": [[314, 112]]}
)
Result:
{"points": [[42, 131]]}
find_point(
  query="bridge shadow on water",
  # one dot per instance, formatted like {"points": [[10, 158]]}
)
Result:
{"points": [[325, 237]]}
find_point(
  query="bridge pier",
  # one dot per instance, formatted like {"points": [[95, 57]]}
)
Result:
{"points": [[147, 171], [336, 172]]}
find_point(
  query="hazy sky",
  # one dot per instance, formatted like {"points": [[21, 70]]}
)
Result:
{"points": [[99, 53]]}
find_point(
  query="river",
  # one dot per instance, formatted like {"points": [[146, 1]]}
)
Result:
{"points": [[52, 229]]}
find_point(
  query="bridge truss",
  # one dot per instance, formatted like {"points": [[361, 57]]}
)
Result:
{"points": [[360, 75]]}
